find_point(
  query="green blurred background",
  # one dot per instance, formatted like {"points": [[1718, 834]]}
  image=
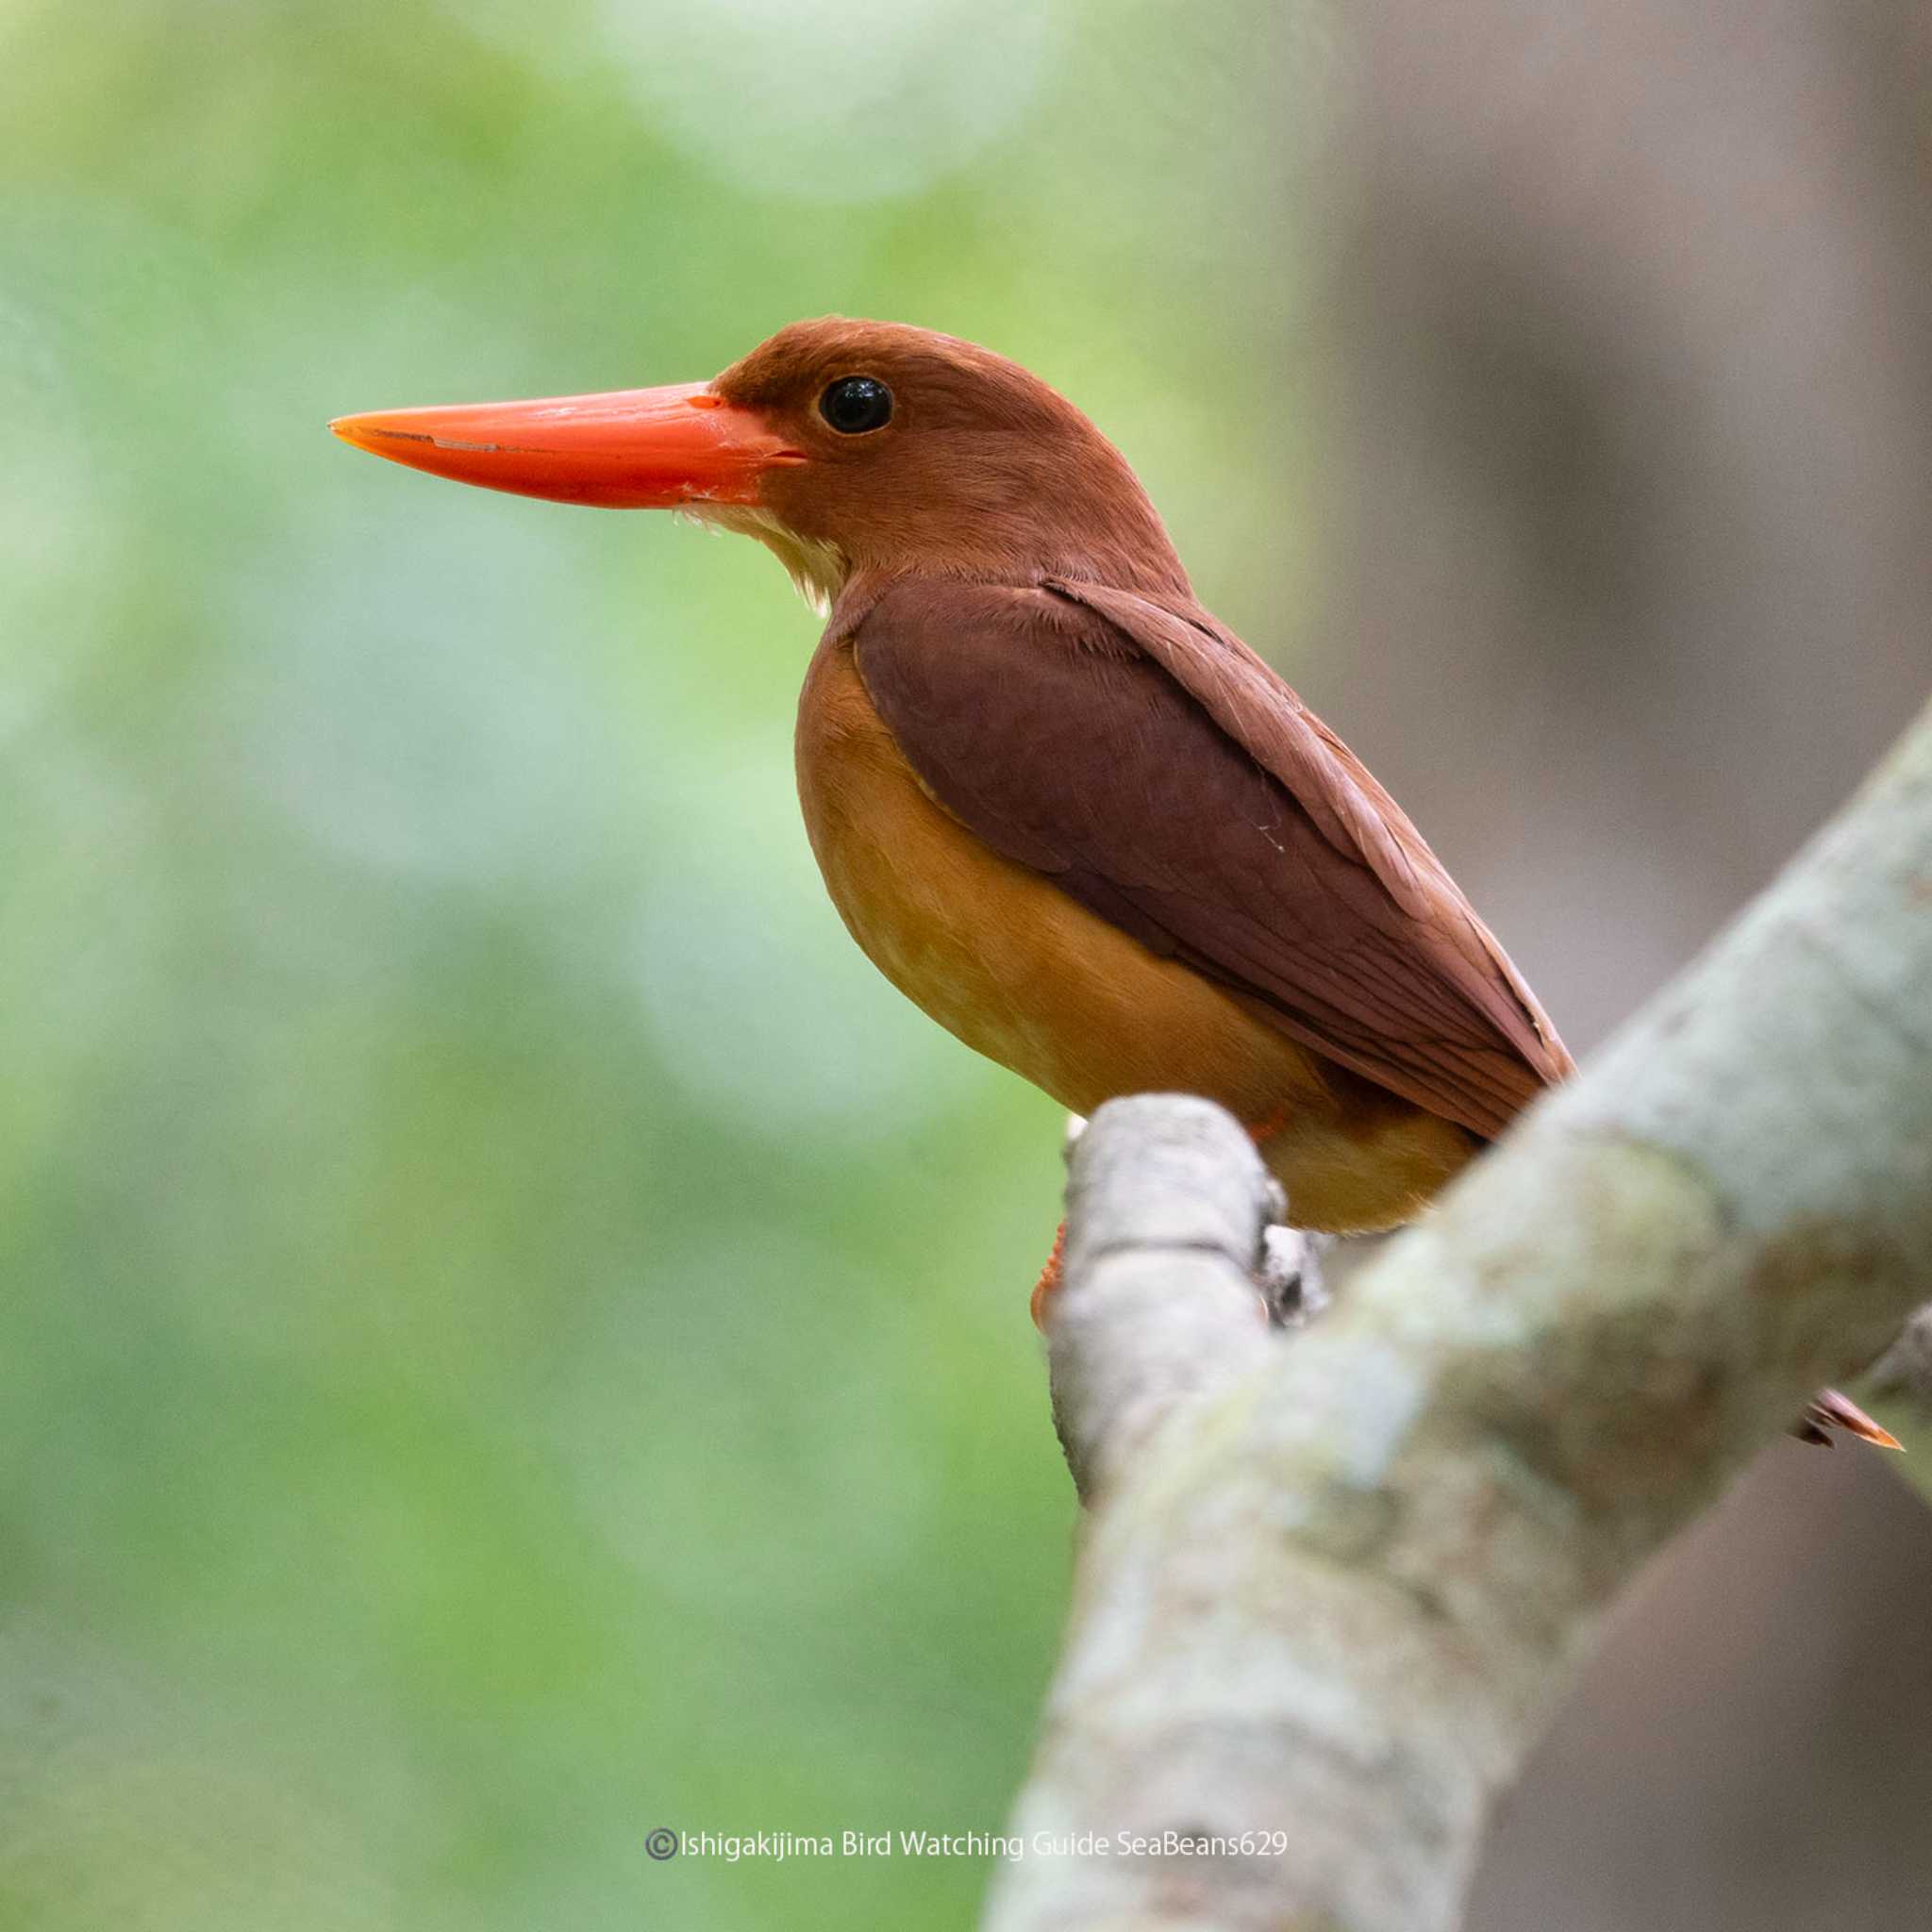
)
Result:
{"points": [[513, 1335]]}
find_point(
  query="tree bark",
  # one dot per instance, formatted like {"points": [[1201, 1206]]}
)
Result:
{"points": [[1332, 1581]]}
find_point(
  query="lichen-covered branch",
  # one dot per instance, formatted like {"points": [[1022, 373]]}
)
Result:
{"points": [[1332, 1581]]}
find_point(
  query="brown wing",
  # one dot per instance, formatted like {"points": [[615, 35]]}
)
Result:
{"points": [[1161, 775]]}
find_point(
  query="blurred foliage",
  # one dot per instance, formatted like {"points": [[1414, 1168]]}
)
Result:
{"points": [[1909, 1418], [514, 1336]]}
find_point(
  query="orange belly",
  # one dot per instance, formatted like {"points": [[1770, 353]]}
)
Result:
{"points": [[1003, 958]]}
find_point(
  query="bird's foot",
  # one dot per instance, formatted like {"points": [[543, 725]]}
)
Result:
{"points": [[1050, 1274], [1289, 1276], [1049, 1277]]}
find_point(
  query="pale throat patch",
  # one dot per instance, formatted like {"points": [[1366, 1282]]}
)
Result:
{"points": [[819, 569]]}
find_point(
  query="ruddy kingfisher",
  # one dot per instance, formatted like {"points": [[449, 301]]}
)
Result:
{"points": [[1058, 804]]}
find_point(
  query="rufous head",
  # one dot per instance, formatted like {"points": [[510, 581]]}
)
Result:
{"points": [[854, 449]]}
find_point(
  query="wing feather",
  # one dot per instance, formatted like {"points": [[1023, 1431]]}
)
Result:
{"points": [[1163, 776]]}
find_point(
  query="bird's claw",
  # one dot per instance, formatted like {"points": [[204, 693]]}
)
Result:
{"points": [[1290, 1275]]}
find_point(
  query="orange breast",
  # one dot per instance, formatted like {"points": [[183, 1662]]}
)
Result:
{"points": [[1004, 960]]}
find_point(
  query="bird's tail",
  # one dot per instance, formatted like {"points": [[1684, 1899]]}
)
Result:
{"points": [[1830, 1411]]}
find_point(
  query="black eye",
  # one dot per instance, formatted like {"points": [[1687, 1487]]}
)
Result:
{"points": [[856, 404]]}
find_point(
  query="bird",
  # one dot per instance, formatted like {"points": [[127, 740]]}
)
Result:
{"points": [[1058, 802]]}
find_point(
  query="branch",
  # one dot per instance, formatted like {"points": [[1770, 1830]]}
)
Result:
{"points": [[1333, 1582], [1157, 1312]]}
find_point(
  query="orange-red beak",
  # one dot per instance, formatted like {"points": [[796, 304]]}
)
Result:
{"points": [[629, 449]]}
